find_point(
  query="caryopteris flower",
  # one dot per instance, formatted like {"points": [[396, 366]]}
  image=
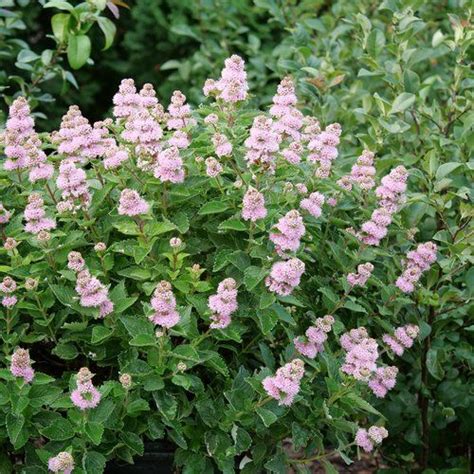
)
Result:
{"points": [[85, 396], [223, 303], [253, 205], [131, 204], [63, 463], [402, 339], [285, 276], [21, 365], [367, 440]]}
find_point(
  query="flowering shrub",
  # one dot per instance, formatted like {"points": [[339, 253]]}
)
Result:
{"points": [[195, 275]]}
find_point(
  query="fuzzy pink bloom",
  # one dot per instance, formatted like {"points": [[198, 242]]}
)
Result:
{"points": [[9, 301], [39, 168], [213, 167], [312, 343], [288, 119], [293, 153], [19, 128], [223, 303], [323, 148], [418, 261], [179, 139], [361, 276], [232, 86], [126, 100], [374, 230], [313, 204], [35, 215], [72, 183], [391, 192], [222, 145], [85, 396], [4, 214], [114, 156], [179, 112], [21, 365], [63, 463], [262, 144], [345, 183], [285, 276], [169, 166], [8, 285], [285, 384], [148, 97], [367, 440], [131, 204], [363, 171], [76, 139], [164, 304], [143, 130], [75, 261], [402, 339], [211, 119], [361, 356], [93, 293], [289, 230], [253, 205], [383, 380]]}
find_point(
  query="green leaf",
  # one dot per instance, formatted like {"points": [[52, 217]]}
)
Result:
{"points": [[267, 416], [99, 334], [136, 325], [157, 228], [253, 276], [267, 319], [133, 442], [143, 340], [94, 432], [402, 102], [93, 462], [446, 169], [213, 207], [186, 352], [59, 430], [362, 404], [59, 4], [59, 24], [233, 224], [78, 50], [16, 429], [109, 29], [66, 351]]}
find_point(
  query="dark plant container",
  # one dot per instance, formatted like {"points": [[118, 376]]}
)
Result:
{"points": [[157, 458]]}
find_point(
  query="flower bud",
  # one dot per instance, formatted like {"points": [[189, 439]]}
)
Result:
{"points": [[31, 284], [100, 247], [10, 243], [175, 242], [126, 381]]}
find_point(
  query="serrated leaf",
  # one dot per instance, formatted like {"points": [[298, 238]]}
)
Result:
{"points": [[59, 430], [213, 207]]}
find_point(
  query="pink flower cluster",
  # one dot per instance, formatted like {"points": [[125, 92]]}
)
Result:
{"points": [[285, 276], [323, 148], [375, 229], [289, 230], [93, 294], [164, 304], [21, 365], [143, 130], [262, 144], [8, 287], [179, 112], [391, 192], [75, 262], [19, 128], [223, 303], [73, 185], [63, 463], [222, 145], [363, 171], [37, 160], [293, 152], [313, 204], [35, 215], [367, 440], [288, 119], [131, 204], [76, 138], [169, 166], [213, 167], [253, 205], [232, 86], [418, 261], [285, 384], [126, 100], [363, 273], [315, 337], [361, 354], [5, 214], [85, 396], [402, 339], [383, 380]]}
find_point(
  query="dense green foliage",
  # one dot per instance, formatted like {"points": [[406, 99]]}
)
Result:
{"points": [[396, 75]]}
